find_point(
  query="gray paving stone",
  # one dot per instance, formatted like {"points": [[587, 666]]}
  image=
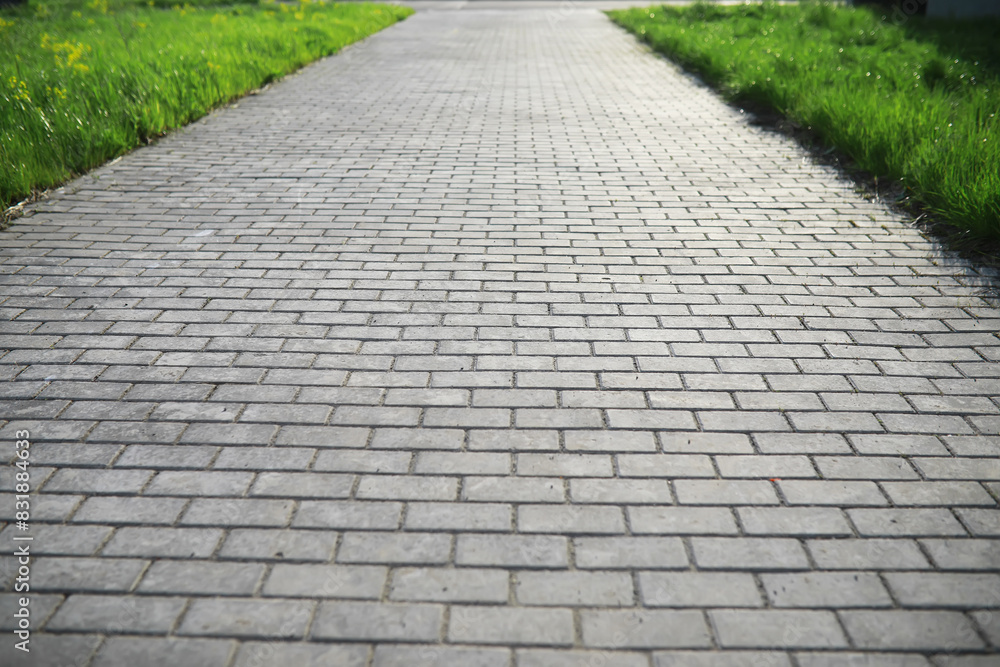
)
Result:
{"points": [[325, 581], [748, 553], [959, 554], [158, 542], [911, 630], [721, 659], [565, 658], [682, 521], [250, 618], [130, 510], [192, 577], [164, 652], [546, 551], [643, 628], [199, 483], [388, 655], [826, 589], [86, 575], [117, 614], [945, 589], [380, 622], [590, 589], [861, 659], [804, 521], [774, 629], [472, 585], [62, 540], [367, 515], [510, 625], [395, 548], [572, 519], [230, 512], [265, 545], [699, 589], [932, 522], [604, 553], [52, 650], [479, 517], [514, 489], [257, 654]]}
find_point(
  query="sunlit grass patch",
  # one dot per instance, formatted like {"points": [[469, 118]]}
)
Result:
{"points": [[916, 102], [81, 83]]}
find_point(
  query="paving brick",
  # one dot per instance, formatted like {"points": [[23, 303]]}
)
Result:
{"points": [[682, 521], [826, 589], [911, 630], [265, 545], [822, 492], [510, 625], [699, 589], [564, 465], [869, 554], [325, 581], [590, 589], [724, 492], [945, 589], [963, 554], [567, 658], [547, 551], [387, 655], [117, 614], [930, 522], [394, 548], [648, 553], [121, 510], [61, 540], [348, 514], [589, 519], [159, 542], [775, 629], [471, 585], [514, 489], [748, 553], [706, 443], [163, 652], [241, 617], [254, 654], [643, 628], [86, 575], [804, 521], [237, 512], [201, 578]]}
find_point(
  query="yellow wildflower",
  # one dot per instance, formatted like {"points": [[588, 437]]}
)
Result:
{"points": [[19, 89]]}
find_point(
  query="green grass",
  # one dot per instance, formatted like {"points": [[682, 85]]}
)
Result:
{"points": [[83, 82], [917, 103]]}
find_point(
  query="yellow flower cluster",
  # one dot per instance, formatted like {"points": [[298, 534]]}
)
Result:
{"points": [[99, 6], [67, 54], [56, 92], [19, 90], [5, 24]]}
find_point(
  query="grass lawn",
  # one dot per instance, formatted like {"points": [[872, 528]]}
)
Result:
{"points": [[917, 103], [83, 82]]}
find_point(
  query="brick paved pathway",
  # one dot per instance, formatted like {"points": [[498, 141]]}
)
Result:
{"points": [[496, 341]]}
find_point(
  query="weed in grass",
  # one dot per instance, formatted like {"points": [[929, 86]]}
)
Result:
{"points": [[81, 83], [916, 103]]}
